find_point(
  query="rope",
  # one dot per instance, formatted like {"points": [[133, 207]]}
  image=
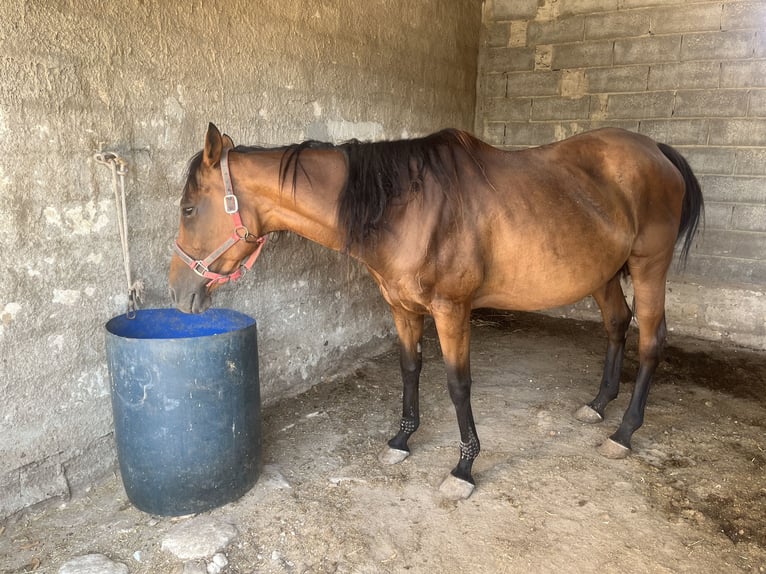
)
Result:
{"points": [[119, 168]]}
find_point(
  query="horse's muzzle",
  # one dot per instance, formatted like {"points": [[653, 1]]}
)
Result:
{"points": [[188, 292], [194, 302]]}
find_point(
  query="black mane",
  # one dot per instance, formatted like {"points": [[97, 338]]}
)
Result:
{"points": [[381, 172]]}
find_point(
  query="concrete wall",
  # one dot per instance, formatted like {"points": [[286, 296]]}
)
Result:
{"points": [[691, 73], [143, 79]]}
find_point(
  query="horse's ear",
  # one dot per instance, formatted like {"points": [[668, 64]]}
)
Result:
{"points": [[211, 154], [227, 141]]}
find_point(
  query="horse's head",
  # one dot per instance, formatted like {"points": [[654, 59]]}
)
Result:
{"points": [[213, 245]]}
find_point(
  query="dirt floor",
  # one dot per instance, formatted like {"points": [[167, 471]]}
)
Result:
{"points": [[691, 498]]}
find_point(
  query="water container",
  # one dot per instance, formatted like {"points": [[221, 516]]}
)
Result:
{"points": [[186, 403]]}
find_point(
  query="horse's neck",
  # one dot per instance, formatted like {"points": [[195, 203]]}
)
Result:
{"points": [[310, 208]]}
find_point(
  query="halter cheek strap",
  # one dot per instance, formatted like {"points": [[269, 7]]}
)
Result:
{"points": [[230, 204]]}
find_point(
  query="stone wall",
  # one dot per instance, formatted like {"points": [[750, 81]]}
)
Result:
{"points": [[691, 73], [144, 79]]}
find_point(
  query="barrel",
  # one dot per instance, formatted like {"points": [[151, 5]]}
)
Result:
{"points": [[186, 402]]}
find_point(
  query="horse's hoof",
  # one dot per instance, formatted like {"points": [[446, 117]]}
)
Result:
{"points": [[392, 455], [612, 449], [455, 488], [585, 414]]}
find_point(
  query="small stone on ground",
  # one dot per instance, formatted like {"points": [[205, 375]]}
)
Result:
{"points": [[93, 564], [194, 567], [200, 537]]}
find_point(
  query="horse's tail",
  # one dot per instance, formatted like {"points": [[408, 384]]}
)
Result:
{"points": [[693, 207]]}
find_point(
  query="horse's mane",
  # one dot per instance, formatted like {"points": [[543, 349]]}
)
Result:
{"points": [[379, 173]]}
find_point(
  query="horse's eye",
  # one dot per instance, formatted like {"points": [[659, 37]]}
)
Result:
{"points": [[187, 211]]}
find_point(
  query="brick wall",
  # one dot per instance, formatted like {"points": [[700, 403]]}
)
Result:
{"points": [[685, 72]]}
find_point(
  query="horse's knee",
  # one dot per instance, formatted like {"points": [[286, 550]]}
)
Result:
{"points": [[650, 348]]}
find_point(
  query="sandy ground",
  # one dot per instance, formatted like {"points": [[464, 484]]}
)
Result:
{"points": [[691, 498]]}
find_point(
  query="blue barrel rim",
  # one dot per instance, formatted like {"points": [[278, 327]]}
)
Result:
{"points": [[171, 324]]}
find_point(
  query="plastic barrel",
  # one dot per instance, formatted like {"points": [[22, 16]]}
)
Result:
{"points": [[186, 403]]}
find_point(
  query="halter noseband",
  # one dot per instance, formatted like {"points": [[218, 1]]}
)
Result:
{"points": [[230, 204]]}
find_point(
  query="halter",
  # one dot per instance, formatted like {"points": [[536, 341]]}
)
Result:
{"points": [[230, 204]]}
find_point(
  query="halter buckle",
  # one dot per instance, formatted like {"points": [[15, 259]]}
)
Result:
{"points": [[200, 268], [230, 204]]}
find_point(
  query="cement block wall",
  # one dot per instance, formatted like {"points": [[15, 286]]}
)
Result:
{"points": [[144, 79], [691, 73]]}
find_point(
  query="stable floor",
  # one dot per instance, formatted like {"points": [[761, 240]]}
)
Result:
{"points": [[691, 497]]}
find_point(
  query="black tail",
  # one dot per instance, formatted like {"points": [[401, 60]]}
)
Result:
{"points": [[693, 207]]}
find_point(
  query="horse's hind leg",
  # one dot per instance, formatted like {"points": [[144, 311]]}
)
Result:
{"points": [[410, 329], [617, 316], [649, 288]]}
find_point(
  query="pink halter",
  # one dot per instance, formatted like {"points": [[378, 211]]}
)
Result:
{"points": [[230, 204]]}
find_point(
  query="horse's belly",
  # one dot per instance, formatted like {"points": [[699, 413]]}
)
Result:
{"points": [[520, 301], [543, 283]]}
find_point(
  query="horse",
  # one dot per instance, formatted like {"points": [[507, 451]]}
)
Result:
{"points": [[447, 223]]}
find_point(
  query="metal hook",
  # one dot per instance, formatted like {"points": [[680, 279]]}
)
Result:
{"points": [[131, 312]]}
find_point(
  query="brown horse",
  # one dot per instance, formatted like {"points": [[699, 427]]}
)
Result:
{"points": [[446, 224]]}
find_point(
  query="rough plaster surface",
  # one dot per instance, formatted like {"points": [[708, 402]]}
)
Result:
{"points": [[143, 79]]}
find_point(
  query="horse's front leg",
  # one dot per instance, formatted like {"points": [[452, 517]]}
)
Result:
{"points": [[453, 324], [410, 329]]}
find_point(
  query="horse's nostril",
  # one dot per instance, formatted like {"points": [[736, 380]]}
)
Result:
{"points": [[172, 293]]}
